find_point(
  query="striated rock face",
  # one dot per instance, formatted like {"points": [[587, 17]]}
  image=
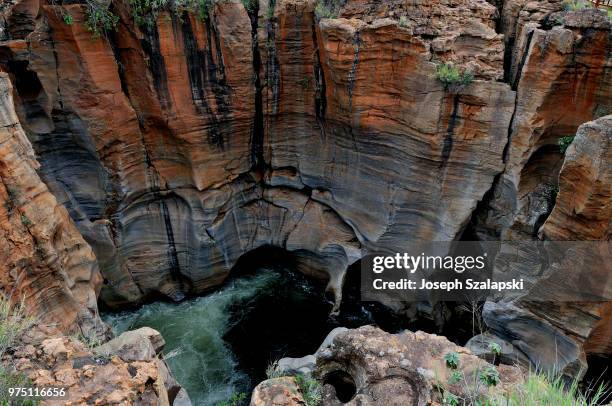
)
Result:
{"points": [[563, 82], [367, 366], [179, 147], [581, 213], [121, 376], [584, 203], [44, 261]]}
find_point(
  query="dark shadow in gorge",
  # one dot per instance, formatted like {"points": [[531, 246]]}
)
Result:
{"points": [[291, 318]]}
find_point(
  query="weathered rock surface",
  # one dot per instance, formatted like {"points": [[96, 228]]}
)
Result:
{"points": [[583, 207], [367, 366], [277, 392], [563, 82], [49, 358], [545, 324], [179, 147], [44, 261]]}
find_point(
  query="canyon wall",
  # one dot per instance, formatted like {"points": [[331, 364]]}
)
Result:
{"points": [[45, 265], [180, 145]]}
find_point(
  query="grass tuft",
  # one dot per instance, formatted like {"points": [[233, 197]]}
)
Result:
{"points": [[311, 390]]}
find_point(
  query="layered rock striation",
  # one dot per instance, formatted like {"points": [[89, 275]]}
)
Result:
{"points": [[44, 262], [179, 146], [318, 127]]}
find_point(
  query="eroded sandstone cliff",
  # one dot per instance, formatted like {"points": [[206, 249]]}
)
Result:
{"points": [[179, 146], [44, 261]]}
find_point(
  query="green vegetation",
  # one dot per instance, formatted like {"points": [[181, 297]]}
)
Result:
{"points": [[145, 12], [25, 220], [452, 77], [68, 19], [327, 9], [489, 376], [323, 11], [237, 399], [495, 349], [99, 19], [455, 377], [564, 143], [250, 5], [544, 389], [451, 399], [452, 360], [404, 22], [272, 371], [13, 323], [310, 388], [305, 83], [574, 5]]}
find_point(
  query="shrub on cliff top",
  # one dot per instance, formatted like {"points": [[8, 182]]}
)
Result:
{"points": [[328, 8], [99, 18], [145, 12]]}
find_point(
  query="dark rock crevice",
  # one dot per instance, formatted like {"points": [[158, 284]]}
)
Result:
{"points": [[258, 163]]}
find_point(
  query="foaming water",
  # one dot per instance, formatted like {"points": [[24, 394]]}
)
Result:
{"points": [[220, 344], [200, 359]]}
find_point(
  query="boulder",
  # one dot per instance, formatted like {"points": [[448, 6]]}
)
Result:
{"points": [[133, 345], [277, 392], [305, 365], [480, 345], [367, 366], [47, 357], [293, 366]]}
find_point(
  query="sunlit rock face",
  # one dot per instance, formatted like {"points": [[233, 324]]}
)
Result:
{"points": [[44, 262], [560, 68], [563, 82], [179, 147]]}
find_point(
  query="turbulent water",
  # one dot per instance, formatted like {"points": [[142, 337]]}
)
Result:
{"points": [[220, 344], [203, 362]]}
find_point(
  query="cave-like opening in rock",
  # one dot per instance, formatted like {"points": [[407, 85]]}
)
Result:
{"points": [[343, 383], [290, 318], [222, 343]]}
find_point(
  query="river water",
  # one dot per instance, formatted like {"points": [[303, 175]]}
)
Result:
{"points": [[221, 343], [200, 359]]}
